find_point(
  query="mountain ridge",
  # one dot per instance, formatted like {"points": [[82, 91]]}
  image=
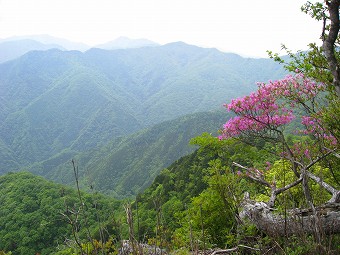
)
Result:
{"points": [[10, 50], [70, 101]]}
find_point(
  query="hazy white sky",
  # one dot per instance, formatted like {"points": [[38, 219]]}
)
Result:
{"points": [[248, 27]]}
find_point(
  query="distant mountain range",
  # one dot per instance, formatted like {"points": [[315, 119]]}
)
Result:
{"points": [[58, 104], [15, 47], [50, 40]]}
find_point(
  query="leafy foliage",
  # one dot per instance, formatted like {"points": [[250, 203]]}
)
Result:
{"points": [[201, 188], [31, 210]]}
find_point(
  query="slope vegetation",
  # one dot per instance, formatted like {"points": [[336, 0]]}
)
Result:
{"points": [[56, 104], [31, 220]]}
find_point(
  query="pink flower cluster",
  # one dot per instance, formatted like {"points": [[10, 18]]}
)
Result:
{"points": [[304, 151], [314, 127], [271, 106]]}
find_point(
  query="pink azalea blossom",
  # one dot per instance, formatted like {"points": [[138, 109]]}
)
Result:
{"points": [[271, 106]]}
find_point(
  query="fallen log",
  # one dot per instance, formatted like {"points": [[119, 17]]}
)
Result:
{"points": [[294, 222]]}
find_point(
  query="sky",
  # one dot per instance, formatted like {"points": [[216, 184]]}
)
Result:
{"points": [[246, 27]]}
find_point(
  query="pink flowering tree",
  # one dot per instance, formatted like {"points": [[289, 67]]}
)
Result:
{"points": [[269, 112], [266, 113]]}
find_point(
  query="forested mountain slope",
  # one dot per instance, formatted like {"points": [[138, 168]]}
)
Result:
{"points": [[68, 101], [198, 189], [127, 165]]}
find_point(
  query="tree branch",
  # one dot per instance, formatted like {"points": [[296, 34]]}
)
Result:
{"points": [[274, 190], [335, 193], [332, 152], [258, 178]]}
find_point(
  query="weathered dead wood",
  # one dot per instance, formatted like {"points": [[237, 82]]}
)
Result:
{"points": [[226, 251], [258, 177], [319, 220], [296, 222], [129, 219], [335, 193]]}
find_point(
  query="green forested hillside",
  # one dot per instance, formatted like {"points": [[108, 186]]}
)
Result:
{"points": [[196, 202], [31, 209], [61, 106], [31, 220], [200, 188], [193, 204], [127, 165], [60, 103]]}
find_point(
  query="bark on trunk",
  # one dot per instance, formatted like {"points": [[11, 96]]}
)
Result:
{"points": [[329, 41], [298, 221]]}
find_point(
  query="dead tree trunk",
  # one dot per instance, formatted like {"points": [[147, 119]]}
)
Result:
{"points": [[129, 219], [296, 222], [320, 220]]}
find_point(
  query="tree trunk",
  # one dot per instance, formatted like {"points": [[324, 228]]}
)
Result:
{"points": [[329, 42]]}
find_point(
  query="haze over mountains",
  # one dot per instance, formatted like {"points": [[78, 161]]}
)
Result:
{"points": [[58, 104], [126, 43], [17, 46]]}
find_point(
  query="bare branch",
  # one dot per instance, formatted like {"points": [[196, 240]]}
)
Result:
{"points": [[335, 193], [231, 250], [258, 178], [224, 251], [333, 152], [276, 192], [317, 160]]}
